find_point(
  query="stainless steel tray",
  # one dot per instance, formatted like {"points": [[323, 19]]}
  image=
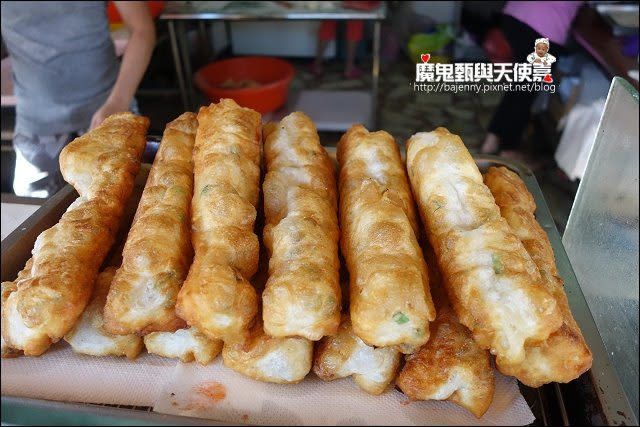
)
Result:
{"points": [[546, 403]]}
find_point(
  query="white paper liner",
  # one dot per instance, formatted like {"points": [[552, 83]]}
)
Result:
{"points": [[314, 402], [62, 375]]}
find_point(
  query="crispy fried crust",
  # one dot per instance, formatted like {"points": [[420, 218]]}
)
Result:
{"points": [[88, 336], [7, 289], [375, 155], [187, 344], [563, 356], [302, 295], [217, 297], [390, 301], [344, 354], [451, 366], [53, 292], [492, 282], [157, 254], [270, 359]]}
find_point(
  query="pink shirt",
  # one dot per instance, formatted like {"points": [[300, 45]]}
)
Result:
{"points": [[551, 19]]}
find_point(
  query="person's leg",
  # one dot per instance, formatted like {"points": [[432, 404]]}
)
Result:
{"points": [[354, 35], [512, 115], [326, 33], [37, 171], [510, 119]]}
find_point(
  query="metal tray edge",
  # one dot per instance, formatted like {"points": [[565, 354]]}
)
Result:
{"points": [[602, 373]]}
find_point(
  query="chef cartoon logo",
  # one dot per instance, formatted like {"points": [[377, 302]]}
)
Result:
{"points": [[541, 59]]}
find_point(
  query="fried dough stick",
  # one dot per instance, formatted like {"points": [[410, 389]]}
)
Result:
{"points": [[217, 297], [344, 354], [186, 344], [302, 295], [265, 358], [7, 289], [564, 355], [88, 335], [157, 254], [451, 365], [492, 282], [390, 301], [53, 290]]}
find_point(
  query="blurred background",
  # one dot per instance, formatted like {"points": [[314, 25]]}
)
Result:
{"points": [[191, 36]]}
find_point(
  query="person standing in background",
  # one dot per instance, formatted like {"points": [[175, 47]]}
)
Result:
{"points": [[523, 22], [326, 33], [67, 78]]}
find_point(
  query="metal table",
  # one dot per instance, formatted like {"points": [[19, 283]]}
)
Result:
{"points": [[176, 13]]}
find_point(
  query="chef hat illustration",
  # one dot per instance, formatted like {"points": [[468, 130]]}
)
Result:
{"points": [[542, 40]]}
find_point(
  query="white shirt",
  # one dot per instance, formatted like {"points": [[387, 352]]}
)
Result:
{"points": [[547, 59]]}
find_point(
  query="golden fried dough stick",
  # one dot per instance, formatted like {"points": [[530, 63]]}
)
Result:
{"points": [[302, 295], [344, 354], [390, 301], [564, 355], [7, 289], [157, 254], [451, 365], [492, 282], [7, 351], [88, 335], [270, 359], [217, 297], [55, 288], [187, 344], [375, 155]]}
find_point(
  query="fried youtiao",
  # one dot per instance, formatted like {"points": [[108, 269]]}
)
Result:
{"points": [[302, 295], [563, 356], [7, 288], [492, 282], [451, 365], [157, 254], [187, 344], [53, 290], [270, 359], [217, 297], [88, 336], [390, 301], [344, 354]]}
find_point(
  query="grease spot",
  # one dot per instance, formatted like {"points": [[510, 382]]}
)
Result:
{"points": [[191, 406], [213, 390]]}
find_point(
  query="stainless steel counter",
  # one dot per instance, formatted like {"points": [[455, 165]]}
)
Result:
{"points": [[269, 10]]}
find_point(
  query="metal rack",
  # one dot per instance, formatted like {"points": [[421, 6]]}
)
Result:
{"points": [[176, 14]]}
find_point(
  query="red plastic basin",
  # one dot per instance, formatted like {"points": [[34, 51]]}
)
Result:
{"points": [[273, 75], [155, 7]]}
